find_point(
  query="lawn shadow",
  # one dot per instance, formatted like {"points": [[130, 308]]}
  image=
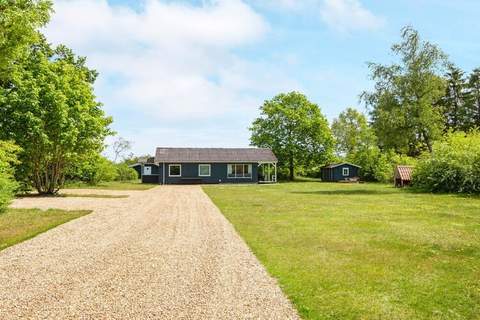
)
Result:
{"points": [[346, 192]]}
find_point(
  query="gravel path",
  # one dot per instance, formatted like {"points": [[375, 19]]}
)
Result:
{"points": [[164, 253]]}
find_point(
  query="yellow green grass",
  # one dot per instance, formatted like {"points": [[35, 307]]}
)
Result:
{"points": [[17, 225], [113, 185], [362, 251]]}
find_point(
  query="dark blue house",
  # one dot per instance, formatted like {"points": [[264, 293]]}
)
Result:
{"points": [[340, 172], [210, 165]]}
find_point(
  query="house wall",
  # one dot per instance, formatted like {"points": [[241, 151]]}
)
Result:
{"points": [[155, 177], [218, 174], [336, 174]]}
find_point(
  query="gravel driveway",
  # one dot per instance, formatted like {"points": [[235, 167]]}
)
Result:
{"points": [[165, 253]]}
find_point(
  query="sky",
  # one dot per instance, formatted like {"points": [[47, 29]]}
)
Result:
{"points": [[194, 73]]}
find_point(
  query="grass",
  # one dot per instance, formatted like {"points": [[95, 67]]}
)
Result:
{"points": [[17, 225], [113, 185], [362, 251], [74, 195]]}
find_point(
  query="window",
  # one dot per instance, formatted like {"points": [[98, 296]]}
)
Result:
{"points": [[204, 170], [174, 170], [147, 171], [346, 172], [239, 171]]}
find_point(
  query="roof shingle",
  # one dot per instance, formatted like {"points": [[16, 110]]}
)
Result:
{"points": [[214, 155]]}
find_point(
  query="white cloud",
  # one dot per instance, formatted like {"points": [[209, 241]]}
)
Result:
{"points": [[170, 61], [348, 16]]}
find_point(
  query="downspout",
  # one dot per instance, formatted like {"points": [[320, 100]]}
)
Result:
{"points": [[163, 174]]}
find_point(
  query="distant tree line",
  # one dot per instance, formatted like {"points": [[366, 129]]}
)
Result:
{"points": [[418, 105]]}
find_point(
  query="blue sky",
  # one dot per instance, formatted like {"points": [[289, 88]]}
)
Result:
{"points": [[193, 73]]}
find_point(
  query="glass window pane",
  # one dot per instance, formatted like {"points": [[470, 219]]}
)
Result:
{"points": [[204, 170], [174, 170]]}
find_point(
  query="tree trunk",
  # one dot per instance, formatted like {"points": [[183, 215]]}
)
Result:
{"points": [[291, 169]]}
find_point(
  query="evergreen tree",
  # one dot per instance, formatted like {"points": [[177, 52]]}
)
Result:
{"points": [[473, 99], [455, 107]]}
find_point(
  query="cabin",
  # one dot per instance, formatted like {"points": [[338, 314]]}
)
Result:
{"points": [[403, 176], [210, 165], [141, 162], [340, 172]]}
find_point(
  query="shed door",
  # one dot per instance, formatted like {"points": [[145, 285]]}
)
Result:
{"points": [[147, 171]]}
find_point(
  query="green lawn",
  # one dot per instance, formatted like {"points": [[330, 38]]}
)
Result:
{"points": [[114, 185], [17, 225], [362, 251]]}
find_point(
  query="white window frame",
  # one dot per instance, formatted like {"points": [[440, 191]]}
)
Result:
{"points": [[347, 170], [174, 165], [235, 176], [145, 173], [209, 170]]}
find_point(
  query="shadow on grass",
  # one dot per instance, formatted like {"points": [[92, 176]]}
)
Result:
{"points": [[346, 192]]}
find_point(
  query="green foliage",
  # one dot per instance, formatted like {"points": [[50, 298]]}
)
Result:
{"points": [[50, 111], [295, 129], [93, 170], [473, 99], [352, 133], [454, 165], [19, 21], [8, 185], [404, 112], [454, 103], [125, 173]]}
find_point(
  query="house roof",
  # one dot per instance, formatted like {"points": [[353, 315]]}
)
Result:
{"points": [[334, 165], [404, 172], [214, 155]]}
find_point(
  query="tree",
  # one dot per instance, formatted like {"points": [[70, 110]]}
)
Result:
{"points": [[473, 99], [456, 117], [404, 103], [51, 112], [120, 146], [352, 132], [295, 129], [19, 21]]}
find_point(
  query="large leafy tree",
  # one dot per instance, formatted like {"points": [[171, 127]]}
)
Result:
{"points": [[295, 129], [352, 132], [404, 102], [51, 112], [19, 21]]}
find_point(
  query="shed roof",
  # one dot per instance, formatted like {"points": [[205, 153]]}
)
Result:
{"points": [[214, 155], [404, 172], [334, 165]]}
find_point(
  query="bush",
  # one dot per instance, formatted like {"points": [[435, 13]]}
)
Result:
{"points": [[8, 185], [379, 166], [93, 170], [453, 166], [125, 173]]}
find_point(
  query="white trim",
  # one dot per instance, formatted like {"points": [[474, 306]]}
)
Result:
{"points": [[341, 164], [209, 170], [347, 170], [176, 165]]}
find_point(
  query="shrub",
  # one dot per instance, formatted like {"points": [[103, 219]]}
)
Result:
{"points": [[377, 165], [453, 166], [125, 173], [8, 185]]}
